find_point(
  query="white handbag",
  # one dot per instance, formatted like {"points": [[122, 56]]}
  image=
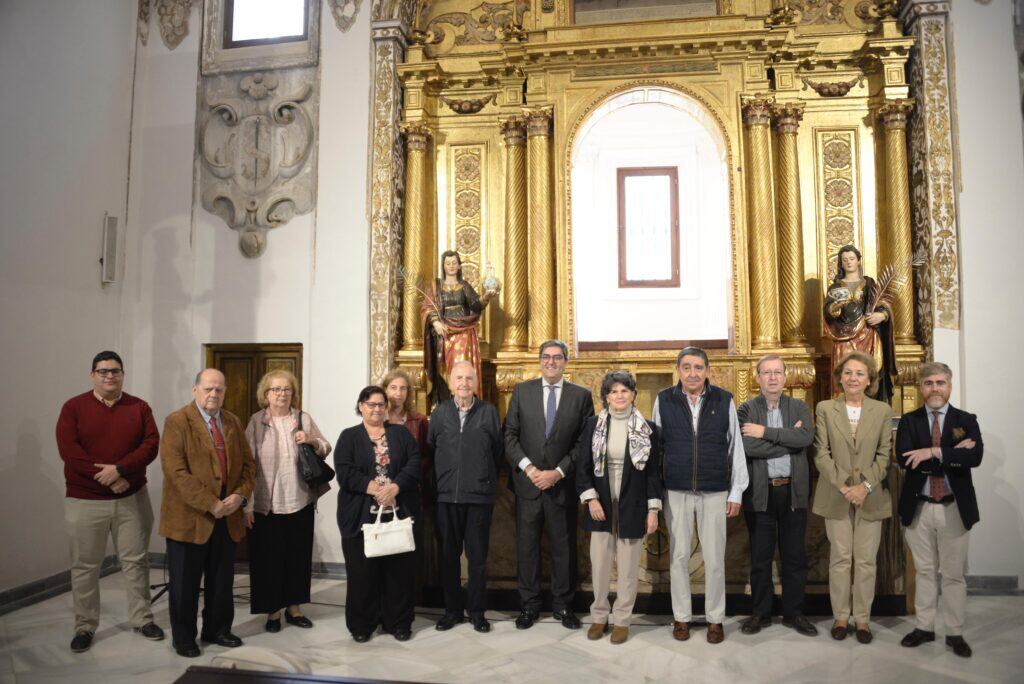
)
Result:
{"points": [[388, 538]]}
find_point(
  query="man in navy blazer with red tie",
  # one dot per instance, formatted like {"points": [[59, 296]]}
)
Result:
{"points": [[937, 445]]}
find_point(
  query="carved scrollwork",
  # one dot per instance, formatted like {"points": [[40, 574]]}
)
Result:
{"points": [[837, 89], [468, 106], [872, 11], [344, 13], [256, 145], [507, 378], [489, 22], [144, 9], [172, 16], [783, 15], [818, 11], [800, 375], [908, 372]]}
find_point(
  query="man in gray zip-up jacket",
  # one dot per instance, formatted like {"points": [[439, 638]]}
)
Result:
{"points": [[777, 429], [465, 435]]}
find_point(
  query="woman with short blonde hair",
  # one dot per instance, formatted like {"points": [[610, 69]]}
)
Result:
{"points": [[280, 514], [851, 450]]}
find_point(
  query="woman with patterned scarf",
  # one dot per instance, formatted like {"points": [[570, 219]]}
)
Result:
{"points": [[617, 478]]}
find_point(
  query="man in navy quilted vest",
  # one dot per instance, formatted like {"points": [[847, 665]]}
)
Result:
{"points": [[705, 473]]}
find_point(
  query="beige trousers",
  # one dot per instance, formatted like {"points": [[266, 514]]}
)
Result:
{"points": [[605, 547], [851, 565], [128, 522], [708, 510], [938, 541]]}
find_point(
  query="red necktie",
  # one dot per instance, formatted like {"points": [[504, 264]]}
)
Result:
{"points": [[222, 454], [938, 482]]}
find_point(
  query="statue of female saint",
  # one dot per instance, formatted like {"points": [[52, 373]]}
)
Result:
{"points": [[858, 317], [451, 312]]}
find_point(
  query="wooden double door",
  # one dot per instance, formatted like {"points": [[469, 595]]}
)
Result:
{"points": [[244, 364]]}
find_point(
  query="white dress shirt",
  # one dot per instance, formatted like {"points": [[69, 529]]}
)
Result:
{"points": [[524, 461]]}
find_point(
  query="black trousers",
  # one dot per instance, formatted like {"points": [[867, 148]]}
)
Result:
{"points": [[187, 564], [532, 517], [788, 526], [381, 591], [464, 526], [280, 560]]}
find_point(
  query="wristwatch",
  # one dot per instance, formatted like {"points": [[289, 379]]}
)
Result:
{"points": [[867, 485], [245, 502]]}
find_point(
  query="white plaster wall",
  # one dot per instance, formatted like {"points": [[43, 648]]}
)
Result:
{"points": [[65, 96], [190, 285], [992, 243], [77, 142]]}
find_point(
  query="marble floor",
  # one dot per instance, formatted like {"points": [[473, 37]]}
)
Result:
{"points": [[34, 648]]}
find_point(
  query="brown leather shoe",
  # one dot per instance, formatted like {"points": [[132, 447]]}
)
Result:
{"points": [[619, 634], [680, 630], [716, 634], [864, 634], [597, 630], [839, 631]]}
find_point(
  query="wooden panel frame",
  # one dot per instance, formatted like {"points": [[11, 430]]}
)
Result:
{"points": [[622, 174]]}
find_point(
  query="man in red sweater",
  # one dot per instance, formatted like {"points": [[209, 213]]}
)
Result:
{"points": [[106, 439]]}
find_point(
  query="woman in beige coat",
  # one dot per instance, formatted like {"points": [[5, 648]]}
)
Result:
{"points": [[851, 447]]}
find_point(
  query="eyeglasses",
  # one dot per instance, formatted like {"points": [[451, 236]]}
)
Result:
{"points": [[109, 372], [374, 404], [773, 373], [281, 390], [552, 357]]}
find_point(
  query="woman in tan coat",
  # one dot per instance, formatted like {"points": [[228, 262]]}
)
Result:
{"points": [[851, 447]]}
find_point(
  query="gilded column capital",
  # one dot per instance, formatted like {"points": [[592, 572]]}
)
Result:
{"points": [[894, 114], [538, 120], [513, 129], [788, 117], [417, 135], [757, 111]]}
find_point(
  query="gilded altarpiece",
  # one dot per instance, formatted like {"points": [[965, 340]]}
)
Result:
{"points": [[805, 95]]}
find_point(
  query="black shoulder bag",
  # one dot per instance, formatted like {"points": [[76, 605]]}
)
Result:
{"points": [[312, 469]]}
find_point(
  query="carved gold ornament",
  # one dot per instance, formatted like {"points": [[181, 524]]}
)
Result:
{"points": [[837, 89], [468, 106]]}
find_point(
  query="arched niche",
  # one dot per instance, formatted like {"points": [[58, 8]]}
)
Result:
{"points": [[662, 128]]}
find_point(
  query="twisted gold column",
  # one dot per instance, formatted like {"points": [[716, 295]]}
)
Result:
{"points": [[790, 226], [764, 289], [517, 280], [418, 257], [897, 250], [543, 309]]}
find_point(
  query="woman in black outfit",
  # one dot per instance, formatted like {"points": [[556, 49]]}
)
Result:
{"points": [[378, 464]]}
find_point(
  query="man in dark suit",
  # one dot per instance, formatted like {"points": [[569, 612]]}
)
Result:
{"points": [[208, 477], [777, 429], [544, 421], [937, 445]]}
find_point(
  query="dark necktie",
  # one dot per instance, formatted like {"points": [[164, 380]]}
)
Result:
{"points": [[938, 482], [549, 412], [222, 453]]}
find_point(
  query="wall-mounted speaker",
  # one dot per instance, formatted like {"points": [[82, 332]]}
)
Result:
{"points": [[108, 259]]}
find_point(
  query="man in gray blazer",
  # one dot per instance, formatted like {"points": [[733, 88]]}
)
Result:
{"points": [[777, 430], [544, 420]]}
